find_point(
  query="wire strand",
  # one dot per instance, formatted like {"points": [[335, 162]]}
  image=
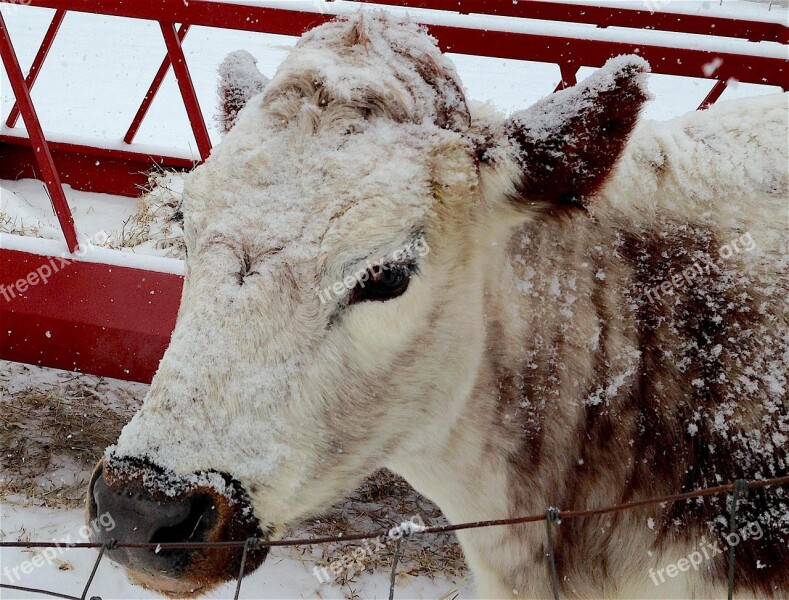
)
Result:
{"points": [[551, 517], [263, 543]]}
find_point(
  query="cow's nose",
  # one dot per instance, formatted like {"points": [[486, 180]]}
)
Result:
{"points": [[133, 501], [130, 513], [138, 517]]}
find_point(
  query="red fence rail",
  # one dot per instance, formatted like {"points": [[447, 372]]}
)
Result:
{"points": [[38, 61], [46, 164], [745, 50], [608, 16]]}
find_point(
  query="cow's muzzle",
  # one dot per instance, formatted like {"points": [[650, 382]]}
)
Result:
{"points": [[134, 501]]}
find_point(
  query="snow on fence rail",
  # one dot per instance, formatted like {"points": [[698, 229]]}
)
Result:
{"points": [[649, 14], [552, 518], [118, 322]]}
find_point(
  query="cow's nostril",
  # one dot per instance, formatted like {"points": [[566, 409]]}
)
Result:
{"points": [[199, 522], [135, 515], [138, 515]]}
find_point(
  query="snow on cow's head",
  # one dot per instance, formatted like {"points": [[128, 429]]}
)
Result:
{"points": [[338, 240]]}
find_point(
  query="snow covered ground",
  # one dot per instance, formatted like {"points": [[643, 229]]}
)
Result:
{"points": [[91, 85], [284, 574], [281, 576]]}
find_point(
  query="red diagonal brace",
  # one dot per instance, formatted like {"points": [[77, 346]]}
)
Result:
{"points": [[568, 71], [715, 93], [152, 91], [176, 54], [38, 61], [46, 165]]}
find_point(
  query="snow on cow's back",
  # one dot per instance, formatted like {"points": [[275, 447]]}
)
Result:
{"points": [[724, 167]]}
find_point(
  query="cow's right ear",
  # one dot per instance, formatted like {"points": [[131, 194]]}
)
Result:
{"points": [[239, 80], [559, 152]]}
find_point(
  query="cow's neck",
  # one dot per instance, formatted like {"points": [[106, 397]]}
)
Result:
{"points": [[536, 363], [521, 443]]}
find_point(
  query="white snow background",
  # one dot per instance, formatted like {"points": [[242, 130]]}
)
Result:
{"points": [[90, 87]]}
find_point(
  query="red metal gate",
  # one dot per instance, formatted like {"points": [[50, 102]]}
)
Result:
{"points": [[113, 314]]}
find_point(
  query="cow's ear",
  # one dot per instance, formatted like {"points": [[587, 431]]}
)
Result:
{"points": [[239, 80], [561, 150]]}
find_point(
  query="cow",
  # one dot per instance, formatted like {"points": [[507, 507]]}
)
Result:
{"points": [[561, 308]]}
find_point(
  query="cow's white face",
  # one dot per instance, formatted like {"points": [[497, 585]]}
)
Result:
{"points": [[332, 316], [295, 365]]}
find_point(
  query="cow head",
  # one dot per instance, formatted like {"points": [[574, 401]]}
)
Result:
{"points": [[332, 319]]}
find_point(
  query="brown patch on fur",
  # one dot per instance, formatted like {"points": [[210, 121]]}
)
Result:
{"points": [[660, 164], [636, 442], [357, 34], [512, 387], [230, 104], [708, 313], [450, 114], [714, 314]]}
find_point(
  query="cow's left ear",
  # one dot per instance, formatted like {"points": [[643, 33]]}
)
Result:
{"points": [[239, 80], [560, 151]]}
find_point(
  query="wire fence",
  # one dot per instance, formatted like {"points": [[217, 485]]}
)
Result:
{"points": [[552, 518]]}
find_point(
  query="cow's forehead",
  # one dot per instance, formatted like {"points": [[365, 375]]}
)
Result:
{"points": [[340, 147], [307, 194]]}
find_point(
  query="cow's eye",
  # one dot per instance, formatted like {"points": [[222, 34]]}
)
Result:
{"points": [[382, 283]]}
